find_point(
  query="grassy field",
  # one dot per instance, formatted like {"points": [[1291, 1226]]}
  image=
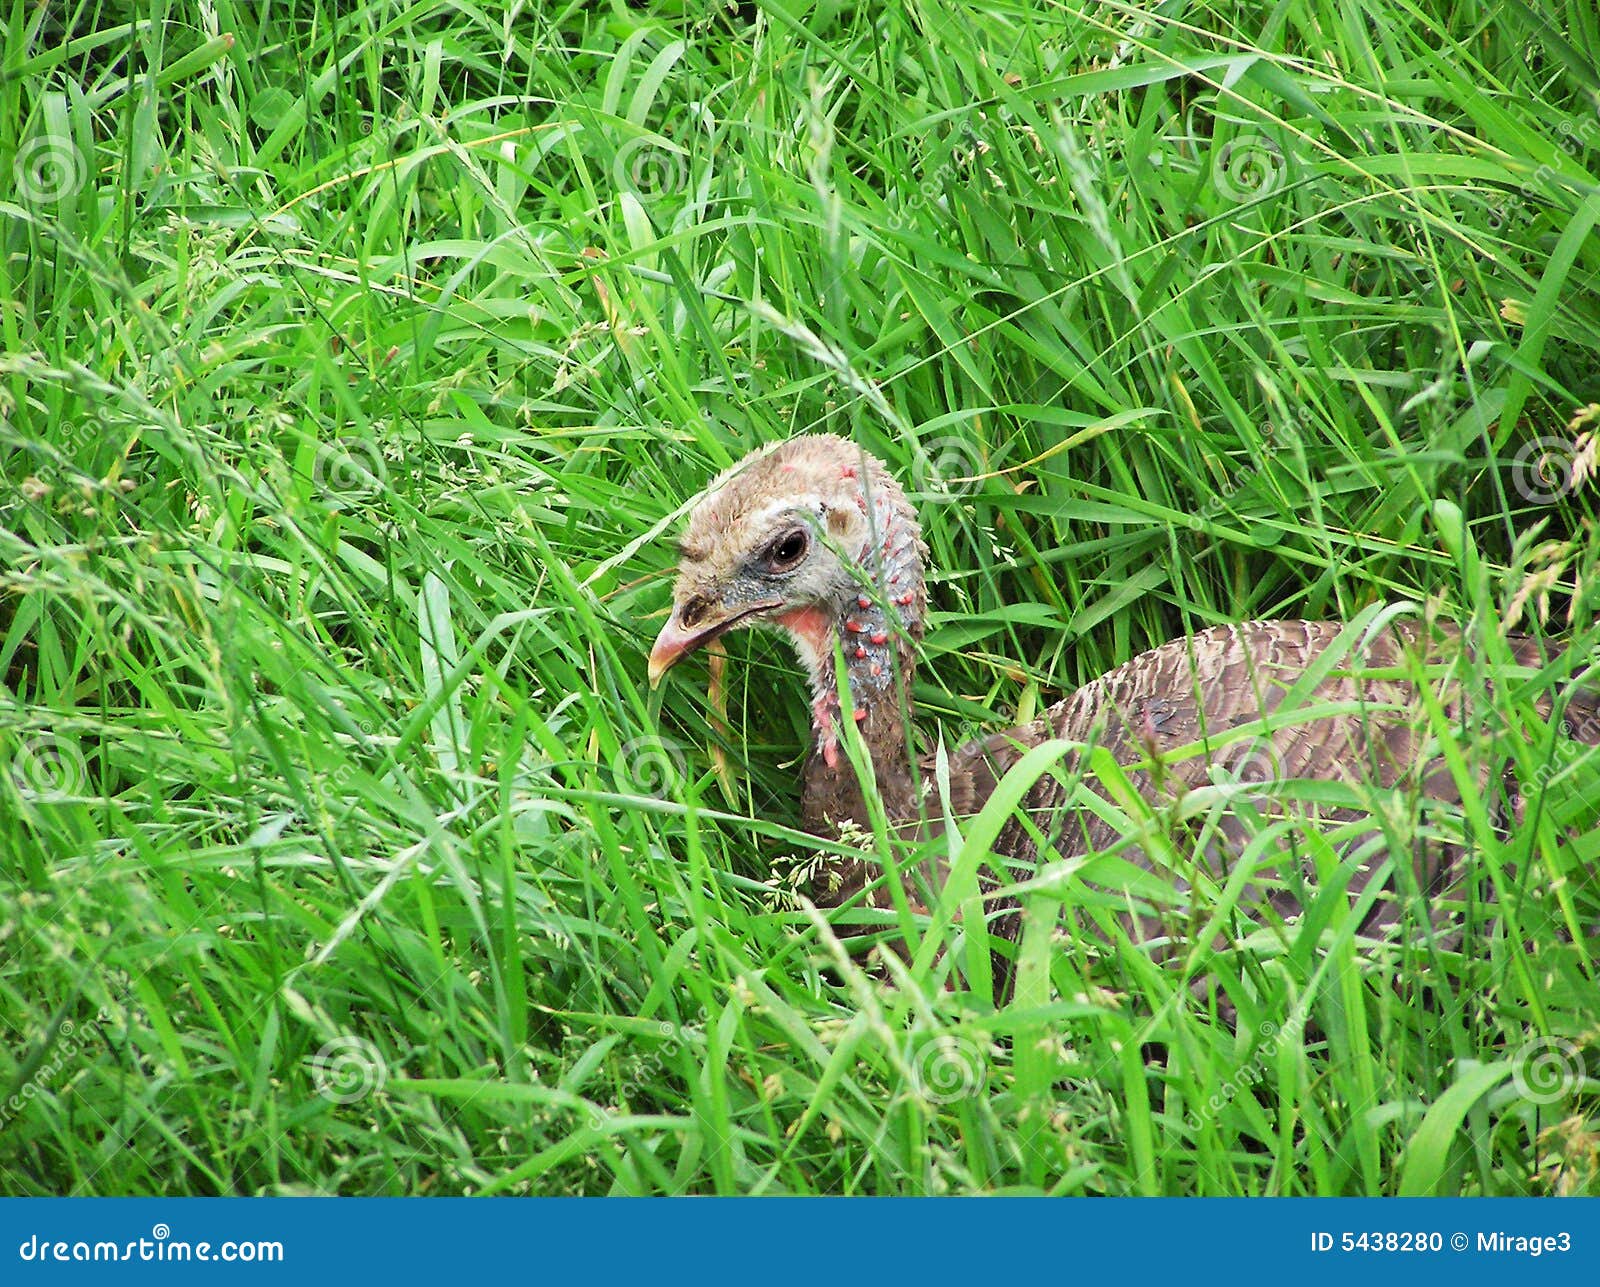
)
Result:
{"points": [[358, 361]]}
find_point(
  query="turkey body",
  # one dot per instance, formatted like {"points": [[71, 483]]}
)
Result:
{"points": [[1210, 733], [1197, 715], [1228, 721]]}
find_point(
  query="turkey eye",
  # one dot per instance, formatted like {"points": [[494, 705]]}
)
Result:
{"points": [[692, 611], [787, 550]]}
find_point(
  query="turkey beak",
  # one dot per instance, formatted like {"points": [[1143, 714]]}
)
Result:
{"points": [[676, 641], [672, 645]]}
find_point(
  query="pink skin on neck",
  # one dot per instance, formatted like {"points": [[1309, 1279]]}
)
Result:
{"points": [[812, 630], [863, 627]]}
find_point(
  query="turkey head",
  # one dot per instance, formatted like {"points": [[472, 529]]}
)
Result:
{"points": [[814, 538]]}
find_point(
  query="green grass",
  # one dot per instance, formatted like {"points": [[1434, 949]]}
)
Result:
{"points": [[355, 361]]}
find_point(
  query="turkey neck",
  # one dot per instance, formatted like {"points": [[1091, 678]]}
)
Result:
{"points": [[876, 628]]}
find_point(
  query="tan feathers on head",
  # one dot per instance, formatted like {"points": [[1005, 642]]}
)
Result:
{"points": [[791, 536]]}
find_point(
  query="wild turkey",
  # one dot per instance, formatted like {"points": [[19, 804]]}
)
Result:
{"points": [[815, 537]]}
